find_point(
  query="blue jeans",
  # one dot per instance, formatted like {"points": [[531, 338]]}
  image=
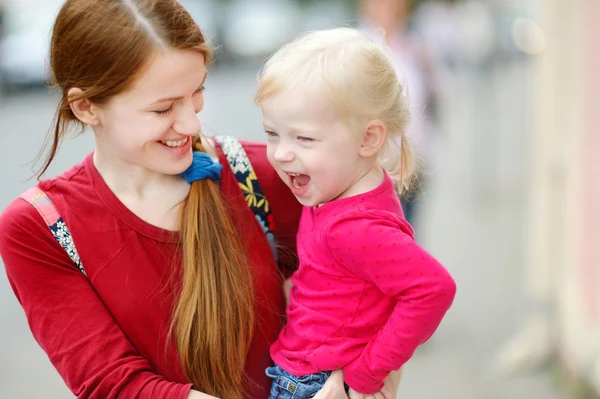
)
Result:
{"points": [[288, 386]]}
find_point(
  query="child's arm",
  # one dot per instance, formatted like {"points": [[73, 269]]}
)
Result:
{"points": [[376, 248]]}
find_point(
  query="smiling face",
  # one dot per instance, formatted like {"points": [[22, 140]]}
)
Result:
{"points": [[152, 125], [312, 148]]}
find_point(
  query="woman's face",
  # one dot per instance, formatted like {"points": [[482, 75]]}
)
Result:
{"points": [[152, 124]]}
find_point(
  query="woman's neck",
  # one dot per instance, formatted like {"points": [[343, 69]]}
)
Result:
{"points": [[126, 179], [153, 197]]}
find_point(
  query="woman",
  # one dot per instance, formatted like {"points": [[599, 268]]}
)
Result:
{"points": [[164, 285], [139, 324]]}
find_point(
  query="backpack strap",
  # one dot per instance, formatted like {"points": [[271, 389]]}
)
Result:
{"points": [[244, 173], [40, 201], [240, 165]]}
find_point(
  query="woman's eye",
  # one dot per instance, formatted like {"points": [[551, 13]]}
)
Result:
{"points": [[200, 90], [164, 111]]}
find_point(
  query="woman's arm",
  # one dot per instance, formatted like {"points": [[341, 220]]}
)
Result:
{"points": [[69, 320]]}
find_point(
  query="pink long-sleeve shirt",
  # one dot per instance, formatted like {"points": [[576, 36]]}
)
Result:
{"points": [[365, 295]]}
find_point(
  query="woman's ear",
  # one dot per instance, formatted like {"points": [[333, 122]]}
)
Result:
{"points": [[83, 108], [373, 139]]}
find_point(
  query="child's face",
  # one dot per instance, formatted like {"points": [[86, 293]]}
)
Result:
{"points": [[311, 147]]}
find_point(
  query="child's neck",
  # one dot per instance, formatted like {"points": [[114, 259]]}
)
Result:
{"points": [[366, 181]]}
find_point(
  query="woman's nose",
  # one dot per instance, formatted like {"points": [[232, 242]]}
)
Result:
{"points": [[187, 122]]}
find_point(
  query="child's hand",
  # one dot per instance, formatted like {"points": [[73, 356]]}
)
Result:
{"points": [[352, 394]]}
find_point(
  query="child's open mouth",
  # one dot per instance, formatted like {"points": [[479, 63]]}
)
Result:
{"points": [[298, 182]]}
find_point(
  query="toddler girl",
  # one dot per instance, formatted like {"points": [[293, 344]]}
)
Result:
{"points": [[365, 295]]}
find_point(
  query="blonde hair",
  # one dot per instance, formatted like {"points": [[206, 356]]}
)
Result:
{"points": [[356, 74]]}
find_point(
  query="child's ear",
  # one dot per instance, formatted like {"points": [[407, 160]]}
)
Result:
{"points": [[84, 109], [373, 139]]}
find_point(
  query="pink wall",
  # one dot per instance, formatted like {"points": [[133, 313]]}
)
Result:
{"points": [[590, 244]]}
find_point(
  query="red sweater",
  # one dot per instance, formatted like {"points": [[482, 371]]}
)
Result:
{"points": [[107, 334]]}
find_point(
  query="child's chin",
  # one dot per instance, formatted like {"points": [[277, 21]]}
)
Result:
{"points": [[309, 202], [306, 202]]}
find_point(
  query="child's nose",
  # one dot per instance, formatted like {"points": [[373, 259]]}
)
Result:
{"points": [[283, 154]]}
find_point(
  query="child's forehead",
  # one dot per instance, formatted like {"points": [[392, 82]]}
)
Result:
{"points": [[292, 115], [302, 101]]}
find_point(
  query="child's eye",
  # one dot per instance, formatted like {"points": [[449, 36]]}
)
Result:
{"points": [[305, 139], [270, 134], [164, 111]]}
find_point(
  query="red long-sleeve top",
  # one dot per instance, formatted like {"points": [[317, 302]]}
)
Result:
{"points": [[107, 334]]}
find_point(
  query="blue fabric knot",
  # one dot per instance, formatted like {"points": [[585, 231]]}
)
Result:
{"points": [[202, 167]]}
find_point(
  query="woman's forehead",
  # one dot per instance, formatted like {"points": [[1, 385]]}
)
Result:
{"points": [[171, 73]]}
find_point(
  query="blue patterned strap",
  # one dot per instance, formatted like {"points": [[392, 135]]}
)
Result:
{"points": [[244, 173], [40, 201]]}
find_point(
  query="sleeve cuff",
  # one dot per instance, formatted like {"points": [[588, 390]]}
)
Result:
{"points": [[360, 379]]}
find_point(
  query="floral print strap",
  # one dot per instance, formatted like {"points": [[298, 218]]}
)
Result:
{"points": [[244, 173], [40, 201]]}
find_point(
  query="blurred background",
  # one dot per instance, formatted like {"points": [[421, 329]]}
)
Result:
{"points": [[505, 96]]}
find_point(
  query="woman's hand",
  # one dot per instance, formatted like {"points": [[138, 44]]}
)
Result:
{"points": [[352, 394], [199, 395], [389, 390], [390, 385], [334, 387], [287, 288]]}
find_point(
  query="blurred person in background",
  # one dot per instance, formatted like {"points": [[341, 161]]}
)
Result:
{"points": [[388, 21], [459, 33], [133, 276]]}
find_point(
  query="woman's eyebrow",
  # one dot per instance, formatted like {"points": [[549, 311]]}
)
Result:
{"points": [[176, 97]]}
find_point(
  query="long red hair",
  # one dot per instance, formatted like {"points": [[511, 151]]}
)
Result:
{"points": [[101, 47]]}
